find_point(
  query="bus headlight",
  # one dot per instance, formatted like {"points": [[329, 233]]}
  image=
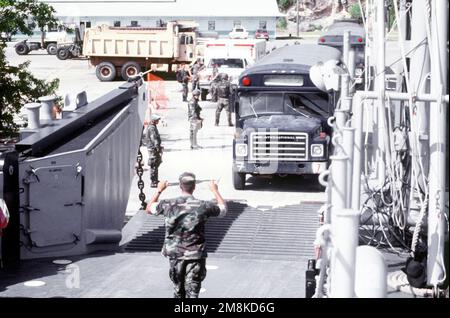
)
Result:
{"points": [[241, 150], [317, 150]]}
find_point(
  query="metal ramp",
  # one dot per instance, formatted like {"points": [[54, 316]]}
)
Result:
{"points": [[282, 233]]}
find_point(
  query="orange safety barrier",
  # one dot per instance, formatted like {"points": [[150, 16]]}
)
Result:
{"points": [[158, 100], [157, 88]]}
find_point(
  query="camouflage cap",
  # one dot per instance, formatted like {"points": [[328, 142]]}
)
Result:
{"points": [[196, 92], [187, 178]]}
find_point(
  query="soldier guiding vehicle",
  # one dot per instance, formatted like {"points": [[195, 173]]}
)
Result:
{"points": [[184, 243]]}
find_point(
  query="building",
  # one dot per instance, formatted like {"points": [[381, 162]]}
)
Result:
{"points": [[213, 16]]}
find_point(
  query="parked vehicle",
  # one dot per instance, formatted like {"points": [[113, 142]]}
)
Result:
{"points": [[50, 43], [231, 57], [70, 49], [238, 32], [334, 37], [281, 116], [262, 34], [128, 51]]}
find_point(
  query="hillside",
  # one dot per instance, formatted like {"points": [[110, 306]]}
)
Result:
{"points": [[315, 14]]}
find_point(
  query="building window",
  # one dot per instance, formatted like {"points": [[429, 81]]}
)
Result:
{"points": [[117, 24], [263, 24], [211, 25], [88, 24], [237, 23], [134, 24]]}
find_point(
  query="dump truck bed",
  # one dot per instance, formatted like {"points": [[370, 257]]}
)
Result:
{"points": [[131, 42]]}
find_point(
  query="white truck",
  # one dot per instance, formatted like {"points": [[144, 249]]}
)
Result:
{"points": [[231, 57]]}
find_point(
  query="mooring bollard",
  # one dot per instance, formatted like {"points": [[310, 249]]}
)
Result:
{"points": [[46, 111], [33, 115]]}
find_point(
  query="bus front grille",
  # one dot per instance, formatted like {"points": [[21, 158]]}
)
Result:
{"points": [[278, 146]]}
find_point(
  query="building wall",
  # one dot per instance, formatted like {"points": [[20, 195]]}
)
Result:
{"points": [[221, 25]]}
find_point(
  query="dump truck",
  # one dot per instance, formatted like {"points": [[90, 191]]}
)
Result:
{"points": [[126, 51]]}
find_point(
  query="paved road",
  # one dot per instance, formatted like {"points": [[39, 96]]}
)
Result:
{"points": [[214, 161]]}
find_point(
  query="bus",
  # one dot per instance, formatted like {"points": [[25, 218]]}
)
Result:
{"points": [[334, 37], [281, 116]]}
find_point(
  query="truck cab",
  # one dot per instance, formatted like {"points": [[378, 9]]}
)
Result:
{"points": [[281, 116], [231, 57]]}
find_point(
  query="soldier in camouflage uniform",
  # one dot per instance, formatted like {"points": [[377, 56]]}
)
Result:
{"points": [[198, 66], [223, 93], [184, 243], [184, 76], [214, 82], [154, 149], [195, 120]]}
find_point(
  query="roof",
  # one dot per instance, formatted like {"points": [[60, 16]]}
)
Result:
{"points": [[338, 28], [165, 8], [292, 59], [302, 54]]}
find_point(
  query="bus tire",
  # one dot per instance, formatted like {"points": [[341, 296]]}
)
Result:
{"points": [[204, 94], [22, 49], [238, 180], [52, 48], [106, 72], [130, 69]]}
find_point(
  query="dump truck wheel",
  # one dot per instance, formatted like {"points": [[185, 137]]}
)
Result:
{"points": [[106, 72], [238, 180], [62, 53], [52, 49], [204, 94], [22, 49], [130, 69]]}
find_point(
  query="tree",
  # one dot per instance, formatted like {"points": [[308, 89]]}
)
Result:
{"points": [[355, 11], [17, 85], [43, 16], [282, 23], [285, 4]]}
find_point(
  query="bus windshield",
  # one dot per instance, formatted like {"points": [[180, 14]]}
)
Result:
{"points": [[264, 103]]}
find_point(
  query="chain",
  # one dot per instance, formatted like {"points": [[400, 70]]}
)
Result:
{"points": [[140, 172]]}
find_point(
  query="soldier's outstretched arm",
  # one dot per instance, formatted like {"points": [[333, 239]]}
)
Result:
{"points": [[152, 203], [220, 201]]}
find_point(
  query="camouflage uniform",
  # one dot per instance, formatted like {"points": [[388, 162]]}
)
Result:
{"points": [[223, 92], [154, 151], [195, 77], [184, 82], [195, 120], [214, 83], [184, 243]]}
